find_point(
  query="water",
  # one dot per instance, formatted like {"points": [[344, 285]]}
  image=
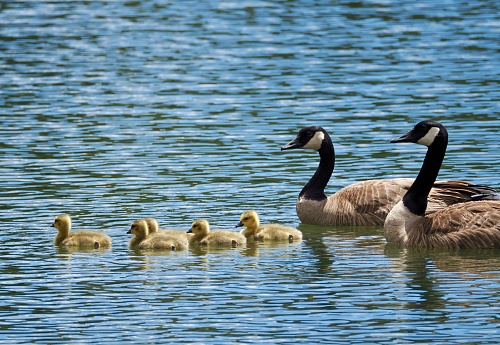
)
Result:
{"points": [[114, 111]]}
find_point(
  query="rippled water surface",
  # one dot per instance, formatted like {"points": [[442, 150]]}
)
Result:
{"points": [[117, 110]]}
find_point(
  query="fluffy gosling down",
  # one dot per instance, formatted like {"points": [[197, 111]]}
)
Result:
{"points": [[154, 228], [157, 240], [202, 235], [266, 232], [80, 238]]}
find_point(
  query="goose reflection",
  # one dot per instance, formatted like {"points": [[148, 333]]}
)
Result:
{"points": [[418, 266]]}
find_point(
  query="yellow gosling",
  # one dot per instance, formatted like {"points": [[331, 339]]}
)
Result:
{"points": [[266, 232], [153, 228], [158, 240], [80, 238], [202, 235]]}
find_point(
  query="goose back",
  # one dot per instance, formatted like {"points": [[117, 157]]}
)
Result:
{"points": [[466, 225]]}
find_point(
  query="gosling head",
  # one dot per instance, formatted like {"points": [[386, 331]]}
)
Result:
{"points": [[152, 225], [139, 228], [249, 219], [424, 133], [311, 137], [199, 227], [62, 222]]}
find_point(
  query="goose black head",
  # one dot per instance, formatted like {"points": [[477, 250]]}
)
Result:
{"points": [[308, 138], [424, 133]]}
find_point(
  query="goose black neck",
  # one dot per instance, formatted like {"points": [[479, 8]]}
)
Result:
{"points": [[315, 188], [416, 197]]}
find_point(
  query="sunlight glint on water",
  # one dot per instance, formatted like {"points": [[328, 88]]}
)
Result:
{"points": [[114, 111]]}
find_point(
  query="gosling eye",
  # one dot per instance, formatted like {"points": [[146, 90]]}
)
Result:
{"points": [[246, 218]]}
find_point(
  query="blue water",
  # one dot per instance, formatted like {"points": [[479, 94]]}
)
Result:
{"points": [[112, 111]]}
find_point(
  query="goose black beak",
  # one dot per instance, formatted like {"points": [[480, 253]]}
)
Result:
{"points": [[52, 225], [239, 224], [294, 144], [405, 138], [129, 232], [190, 231]]}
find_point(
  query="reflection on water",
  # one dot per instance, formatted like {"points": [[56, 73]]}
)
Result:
{"points": [[115, 111]]}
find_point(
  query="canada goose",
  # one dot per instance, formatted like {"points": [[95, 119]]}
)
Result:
{"points": [[362, 203], [202, 235], [270, 232], [143, 240], [80, 238], [466, 225]]}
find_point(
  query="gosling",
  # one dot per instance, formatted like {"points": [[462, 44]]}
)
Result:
{"points": [[266, 232], [153, 228], [143, 240], [80, 238], [202, 235]]}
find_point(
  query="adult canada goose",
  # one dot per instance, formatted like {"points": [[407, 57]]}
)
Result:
{"points": [[143, 240], [266, 232], [466, 225], [202, 235], [80, 238], [362, 203]]}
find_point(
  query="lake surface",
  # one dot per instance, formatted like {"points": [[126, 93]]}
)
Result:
{"points": [[112, 111]]}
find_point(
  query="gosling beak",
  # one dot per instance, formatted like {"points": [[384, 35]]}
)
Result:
{"points": [[294, 144], [239, 224], [129, 232], [53, 225], [190, 231]]}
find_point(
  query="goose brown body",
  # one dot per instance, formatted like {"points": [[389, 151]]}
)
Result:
{"points": [[369, 202], [366, 202], [466, 225], [80, 238]]}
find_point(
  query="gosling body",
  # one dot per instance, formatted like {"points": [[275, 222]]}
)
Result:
{"points": [[80, 238], [143, 240], [266, 232], [153, 228], [202, 235]]}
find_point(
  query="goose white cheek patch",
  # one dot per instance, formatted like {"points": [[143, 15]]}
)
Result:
{"points": [[428, 139], [315, 142]]}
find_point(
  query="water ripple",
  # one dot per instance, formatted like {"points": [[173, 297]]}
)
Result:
{"points": [[114, 111]]}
